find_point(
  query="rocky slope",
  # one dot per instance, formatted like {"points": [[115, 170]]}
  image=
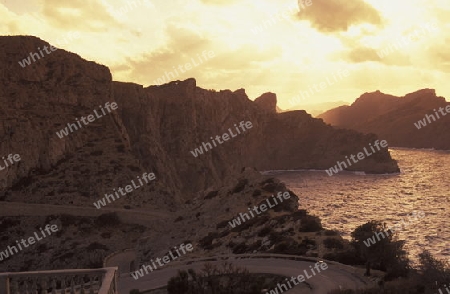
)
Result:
{"points": [[153, 130], [393, 118]]}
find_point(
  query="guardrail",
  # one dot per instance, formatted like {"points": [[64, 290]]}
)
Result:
{"points": [[73, 281]]}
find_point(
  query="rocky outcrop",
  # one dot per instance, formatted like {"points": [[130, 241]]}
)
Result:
{"points": [[267, 101], [154, 129], [393, 118]]}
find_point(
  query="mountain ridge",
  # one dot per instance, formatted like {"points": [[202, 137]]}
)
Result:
{"points": [[153, 130], [393, 118]]}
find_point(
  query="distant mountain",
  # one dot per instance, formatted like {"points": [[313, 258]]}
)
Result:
{"points": [[318, 108], [395, 118]]}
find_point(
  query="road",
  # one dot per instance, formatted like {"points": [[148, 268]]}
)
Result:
{"points": [[335, 277], [135, 216]]}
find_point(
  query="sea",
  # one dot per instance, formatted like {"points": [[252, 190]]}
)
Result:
{"points": [[349, 199]]}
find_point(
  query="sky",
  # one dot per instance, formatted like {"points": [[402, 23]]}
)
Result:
{"points": [[305, 51]]}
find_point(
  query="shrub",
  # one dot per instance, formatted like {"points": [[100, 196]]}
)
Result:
{"points": [[134, 168], [211, 195], [108, 219], [106, 235], [241, 248], [386, 254], [331, 243], [264, 231], [96, 246], [256, 193], [214, 280], [299, 214], [330, 233], [222, 224], [434, 270], [310, 224], [349, 257], [7, 222], [290, 247], [121, 148], [240, 186], [275, 237], [206, 242]]}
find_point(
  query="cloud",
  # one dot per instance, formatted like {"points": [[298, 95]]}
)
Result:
{"points": [[77, 15], [362, 54], [338, 15], [184, 45], [218, 2]]}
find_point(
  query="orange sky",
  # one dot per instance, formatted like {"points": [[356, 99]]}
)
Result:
{"points": [[263, 45]]}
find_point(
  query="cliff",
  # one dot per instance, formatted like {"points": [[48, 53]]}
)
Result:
{"points": [[154, 129], [394, 118]]}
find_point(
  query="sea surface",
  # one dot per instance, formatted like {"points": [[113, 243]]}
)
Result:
{"points": [[349, 199]]}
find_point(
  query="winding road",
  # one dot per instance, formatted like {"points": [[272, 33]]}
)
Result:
{"points": [[335, 277]]}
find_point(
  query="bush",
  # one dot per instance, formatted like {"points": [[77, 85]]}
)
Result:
{"points": [[330, 233], [434, 270], [349, 257], [241, 248], [121, 148], [299, 214], [206, 242], [310, 224], [7, 222], [96, 246], [222, 224], [387, 254], [256, 193], [108, 219], [68, 220], [226, 280], [240, 186], [264, 231], [290, 247], [211, 195], [332, 243]]}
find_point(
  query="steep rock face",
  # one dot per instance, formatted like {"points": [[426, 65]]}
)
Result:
{"points": [[154, 129], [267, 101], [39, 100], [181, 117], [393, 118]]}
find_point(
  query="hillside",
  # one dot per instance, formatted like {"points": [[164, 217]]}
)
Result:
{"points": [[153, 130], [393, 118]]}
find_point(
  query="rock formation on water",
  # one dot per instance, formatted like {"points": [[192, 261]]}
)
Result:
{"points": [[394, 118], [154, 130]]}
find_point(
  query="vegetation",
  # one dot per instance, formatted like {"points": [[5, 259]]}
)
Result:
{"points": [[331, 243], [225, 280], [108, 220], [432, 277], [387, 254]]}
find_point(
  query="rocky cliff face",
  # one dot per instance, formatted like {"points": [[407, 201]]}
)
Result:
{"points": [[267, 101], [154, 129], [393, 118]]}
